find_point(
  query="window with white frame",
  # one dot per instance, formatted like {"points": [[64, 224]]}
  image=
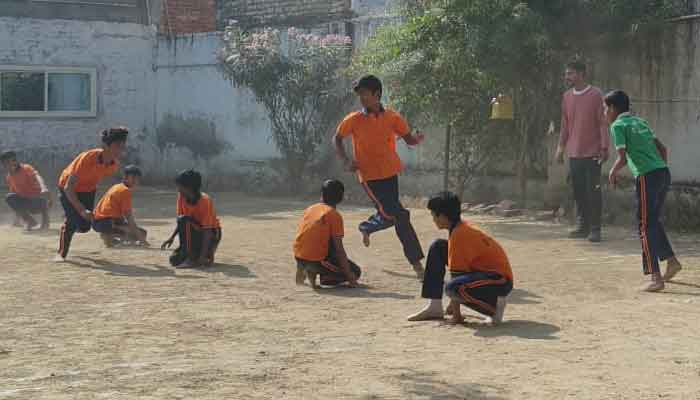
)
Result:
{"points": [[27, 92]]}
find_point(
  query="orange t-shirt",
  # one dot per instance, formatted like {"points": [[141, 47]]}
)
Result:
{"points": [[116, 203], [24, 181], [319, 224], [203, 212], [472, 250], [374, 142], [89, 168]]}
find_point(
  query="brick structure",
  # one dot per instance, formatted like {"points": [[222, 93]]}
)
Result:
{"points": [[188, 16], [283, 12]]}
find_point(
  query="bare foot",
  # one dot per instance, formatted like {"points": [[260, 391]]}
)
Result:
{"points": [[59, 259], [301, 276], [655, 285], [311, 276], [457, 318], [365, 238], [418, 269], [673, 267], [500, 309]]}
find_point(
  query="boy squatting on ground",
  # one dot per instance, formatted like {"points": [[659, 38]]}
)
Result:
{"points": [[639, 149], [28, 193], [113, 216], [318, 247], [377, 164], [78, 184], [481, 273], [198, 228]]}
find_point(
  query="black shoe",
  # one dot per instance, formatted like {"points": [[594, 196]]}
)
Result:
{"points": [[594, 237], [579, 233]]}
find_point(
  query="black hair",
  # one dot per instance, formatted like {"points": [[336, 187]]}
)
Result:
{"points": [[191, 179], [132, 170], [114, 135], [576, 65], [619, 100], [8, 155], [447, 204], [332, 192], [371, 83]]}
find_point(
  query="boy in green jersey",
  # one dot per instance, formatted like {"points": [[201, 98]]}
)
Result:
{"points": [[642, 152]]}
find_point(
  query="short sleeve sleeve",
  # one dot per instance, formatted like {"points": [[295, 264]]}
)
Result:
{"points": [[85, 165], [618, 136], [400, 125], [345, 127], [336, 224]]}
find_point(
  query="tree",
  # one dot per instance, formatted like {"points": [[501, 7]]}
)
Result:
{"points": [[298, 83], [449, 56]]}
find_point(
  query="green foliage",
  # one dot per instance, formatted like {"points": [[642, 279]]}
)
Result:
{"points": [[450, 57], [299, 85]]}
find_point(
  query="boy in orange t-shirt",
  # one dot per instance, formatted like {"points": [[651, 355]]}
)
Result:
{"points": [[78, 184], [481, 273], [377, 164], [318, 246], [114, 218], [198, 228], [28, 193]]}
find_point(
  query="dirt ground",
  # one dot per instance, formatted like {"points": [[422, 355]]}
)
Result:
{"points": [[122, 324]]}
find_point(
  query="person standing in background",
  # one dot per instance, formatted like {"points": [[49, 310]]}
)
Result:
{"points": [[585, 140]]}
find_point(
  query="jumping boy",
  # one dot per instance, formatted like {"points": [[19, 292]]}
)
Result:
{"points": [[377, 164], [114, 218], [78, 184], [647, 158], [198, 229], [318, 247], [28, 193], [481, 273]]}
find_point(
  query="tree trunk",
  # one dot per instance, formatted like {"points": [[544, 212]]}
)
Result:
{"points": [[446, 172]]}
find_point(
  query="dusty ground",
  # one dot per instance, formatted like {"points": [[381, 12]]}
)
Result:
{"points": [[121, 324]]}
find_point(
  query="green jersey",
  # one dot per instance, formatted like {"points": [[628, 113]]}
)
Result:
{"points": [[635, 136]]}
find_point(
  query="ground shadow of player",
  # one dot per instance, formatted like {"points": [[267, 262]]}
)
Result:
{"points": [[522, 296], [516, 328], [399, 274], [431, 385], [672, 283], [361, 291], [230, 270], [129, 270], [51, 232]]}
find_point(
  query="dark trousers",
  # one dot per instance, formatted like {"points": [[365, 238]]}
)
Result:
{"points": [[189, 233], [329, 269], [110, 226], [24, 207], [585, 179], [652, 189], [390, 212], [73, 222], [477, 290]]}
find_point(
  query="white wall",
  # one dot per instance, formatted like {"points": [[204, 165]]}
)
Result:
{"points": [[121, 53]]}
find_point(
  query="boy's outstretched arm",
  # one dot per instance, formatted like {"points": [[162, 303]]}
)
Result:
{"points": [[69, 190], [169, 242], [620, 163], [134, 229], [413, 140], [343, 261], [340, 151], [663, 151]]}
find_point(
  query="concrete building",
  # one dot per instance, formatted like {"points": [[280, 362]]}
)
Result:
{"points": [[71, 68]]}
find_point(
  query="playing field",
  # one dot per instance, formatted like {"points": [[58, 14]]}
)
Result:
{"points": [[122, 324]]}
